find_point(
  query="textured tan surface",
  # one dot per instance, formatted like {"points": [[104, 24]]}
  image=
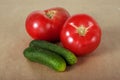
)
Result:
{"points": [[103, 64]]}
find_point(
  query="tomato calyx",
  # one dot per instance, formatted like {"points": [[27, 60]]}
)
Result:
{"points": [[51, 13], [81, 30]]}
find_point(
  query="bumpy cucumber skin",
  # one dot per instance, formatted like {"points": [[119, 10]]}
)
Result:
{"points": [[45, 57], [69, 57]]}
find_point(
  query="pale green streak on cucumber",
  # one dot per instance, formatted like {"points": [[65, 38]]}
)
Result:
{"points": [[69, 57], [45, 57]]}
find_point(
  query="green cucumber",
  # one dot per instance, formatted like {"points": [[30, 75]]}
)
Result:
{"points": [[69, 57], [45, 57]]}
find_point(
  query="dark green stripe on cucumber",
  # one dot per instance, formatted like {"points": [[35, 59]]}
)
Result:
{"points": [[69, 57], [45, 57]]}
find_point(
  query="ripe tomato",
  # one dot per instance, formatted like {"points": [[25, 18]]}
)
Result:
{"points": [[47, 24], [81, 34]]}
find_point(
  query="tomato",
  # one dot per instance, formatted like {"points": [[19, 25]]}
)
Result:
{"points": [[46, 24], [81, 34]]}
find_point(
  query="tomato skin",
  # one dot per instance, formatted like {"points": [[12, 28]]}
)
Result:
{"points": [[34, 25], [43, 26], [81, 44]]}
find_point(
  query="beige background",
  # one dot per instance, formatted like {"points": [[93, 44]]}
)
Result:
{"points": [[103, 64]]}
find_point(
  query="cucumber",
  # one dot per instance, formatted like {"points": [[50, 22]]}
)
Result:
{"points": [[69, 57], [45, 57]]}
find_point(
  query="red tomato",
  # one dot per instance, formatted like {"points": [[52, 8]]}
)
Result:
{"points": [[81, 34], [47, 24]]}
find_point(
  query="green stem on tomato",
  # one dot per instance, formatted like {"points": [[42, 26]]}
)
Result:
{"points": [[81, 30], [50, 13]]}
